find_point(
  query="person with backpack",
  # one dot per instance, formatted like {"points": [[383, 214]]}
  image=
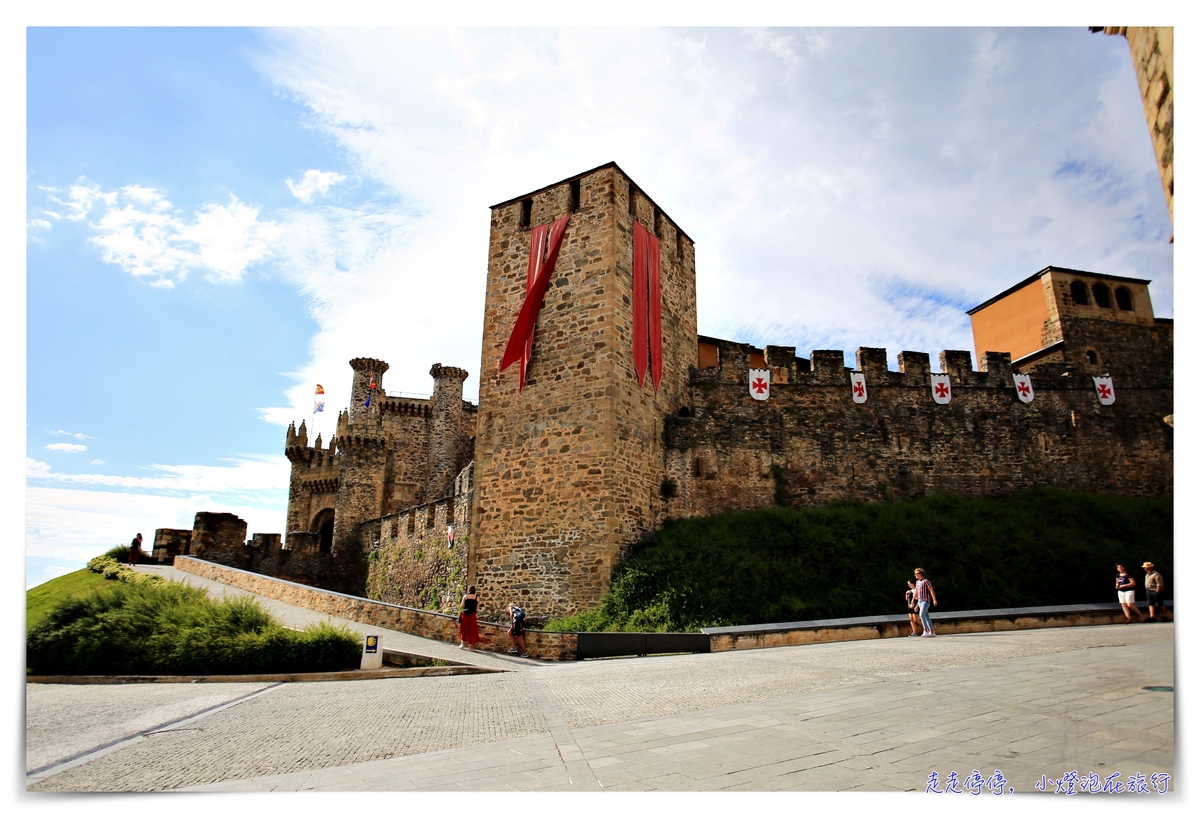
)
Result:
{"points": [[517, 631], [468, 625]]}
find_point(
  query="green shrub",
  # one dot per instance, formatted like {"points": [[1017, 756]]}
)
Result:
{"points": [[167, 628], [119, 553], [112, 569], [1038, 547]]}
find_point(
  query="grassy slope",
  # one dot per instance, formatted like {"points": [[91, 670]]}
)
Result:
{"points": [[1038, 547], [41, 599]]}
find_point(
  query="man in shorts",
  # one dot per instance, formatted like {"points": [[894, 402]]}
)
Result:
{"points": [[517, 631], [1154, 590]]}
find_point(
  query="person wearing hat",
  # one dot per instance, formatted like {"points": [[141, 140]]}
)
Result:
{"points": [[1154, 590]]}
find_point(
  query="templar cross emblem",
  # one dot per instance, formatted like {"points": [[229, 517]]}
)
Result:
{"points": [[859, 389], [1023, 388], [942, 390], [759, 385], [1104, 391]]}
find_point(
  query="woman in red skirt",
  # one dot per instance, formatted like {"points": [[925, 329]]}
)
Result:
{"points": [[468, 626]]}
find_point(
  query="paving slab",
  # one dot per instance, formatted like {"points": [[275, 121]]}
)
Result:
{"points": [[800, 718]]}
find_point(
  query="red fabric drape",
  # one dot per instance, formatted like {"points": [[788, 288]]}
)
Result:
{"points": [[647, 305], [520, 343], [537, 251], [640, 348], [652, 273]]}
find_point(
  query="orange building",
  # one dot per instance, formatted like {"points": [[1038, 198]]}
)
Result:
{"points": [[1064, 315]]}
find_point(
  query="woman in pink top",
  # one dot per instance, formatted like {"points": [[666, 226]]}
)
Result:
{"points": [[925, 597]]}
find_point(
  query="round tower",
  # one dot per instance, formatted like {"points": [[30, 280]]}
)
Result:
{"points": [[365, 369], [445, 429]]}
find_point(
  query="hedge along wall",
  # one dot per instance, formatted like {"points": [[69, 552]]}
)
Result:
{"points": [[429, 624]]}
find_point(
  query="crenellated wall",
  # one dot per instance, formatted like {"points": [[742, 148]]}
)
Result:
{"points": [[732, 451], [410, 560]]}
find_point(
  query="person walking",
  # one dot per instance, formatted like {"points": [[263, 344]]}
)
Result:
{"points": [[468, 625], [925, 597], [1154, 591], [135, 549], [910, 602], [516, 632], [1126, 586]]}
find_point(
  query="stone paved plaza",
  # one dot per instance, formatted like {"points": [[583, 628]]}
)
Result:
{"points": [[876, 715]]}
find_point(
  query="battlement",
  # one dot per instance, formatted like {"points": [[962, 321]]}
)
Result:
{"points": [[732, 361]]}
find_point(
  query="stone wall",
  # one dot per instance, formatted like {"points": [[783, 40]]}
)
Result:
{"points": [[409, 559], [733, 451], [568, 469], [443, 627], [169, 543], [217, 536], [1153, 51]]}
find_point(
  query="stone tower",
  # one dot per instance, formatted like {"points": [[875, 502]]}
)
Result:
{"points": [[568, 470], [445, 429], [362, 447]]}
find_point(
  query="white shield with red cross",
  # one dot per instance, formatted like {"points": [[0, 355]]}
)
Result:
{"points": [[858, 387], [1105, 391], [940, 386], [1024, 386], [760, 384]]}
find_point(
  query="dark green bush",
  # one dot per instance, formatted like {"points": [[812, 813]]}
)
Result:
{"points": [[119, 553], [168, 628], [1038, 547]]}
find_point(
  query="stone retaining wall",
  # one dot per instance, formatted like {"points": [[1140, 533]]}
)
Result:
{"points": [[431, 625], [944, 624]]}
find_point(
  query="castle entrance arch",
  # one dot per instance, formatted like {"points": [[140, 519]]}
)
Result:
{"points": [[322, 525]]}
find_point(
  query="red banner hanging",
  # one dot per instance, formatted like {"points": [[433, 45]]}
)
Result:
{"points": [[537, 255], [520, 343], [652, 273], [640, 246], [647, 306]]}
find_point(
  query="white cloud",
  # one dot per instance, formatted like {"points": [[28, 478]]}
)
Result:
{"points": [[65, 527], [63, 433], [73, 517], [247, 476], [315, 183], [139, 229], [97, 463], [808, 165], [72, 448]]}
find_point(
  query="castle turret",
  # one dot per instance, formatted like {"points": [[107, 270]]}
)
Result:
{"points": [[366, 372], [445, 429]]}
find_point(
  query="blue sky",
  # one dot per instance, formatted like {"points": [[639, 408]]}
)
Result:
{"points": [[220, 218]]}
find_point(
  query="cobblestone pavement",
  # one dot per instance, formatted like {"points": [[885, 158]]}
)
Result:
{"points": [[296, 617], [591, 693], [868, 715], [62, 721], [313, 725]]}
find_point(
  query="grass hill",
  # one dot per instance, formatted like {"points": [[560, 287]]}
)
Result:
{"points": [[1038, 547], [41, 599]]}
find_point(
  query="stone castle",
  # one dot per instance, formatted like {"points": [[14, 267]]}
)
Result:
{"points": [[602, 412]]}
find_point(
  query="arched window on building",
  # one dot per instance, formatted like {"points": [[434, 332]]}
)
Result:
{"points": [[1079, 293], [1100, 293], [1124, 299], [1092, 357]]}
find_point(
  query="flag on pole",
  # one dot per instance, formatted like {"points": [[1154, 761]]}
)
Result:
{"points": [[319, 400], [370, 391]]}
